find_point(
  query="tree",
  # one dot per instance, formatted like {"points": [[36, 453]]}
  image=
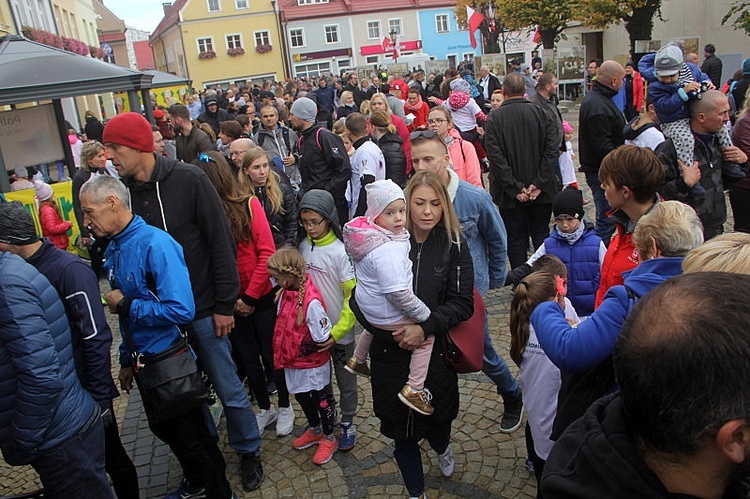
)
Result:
{"points": [[740, 10], [638, 16]]}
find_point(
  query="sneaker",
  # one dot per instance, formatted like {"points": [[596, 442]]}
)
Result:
{"points": [[187, 492], [307, 439], [265, 417], [529, 465], [285, 421], [359, 368], [512, 416], [251, 470], [325, 451], [271, 387], [447, 462], [348, 436], [418, 400]]}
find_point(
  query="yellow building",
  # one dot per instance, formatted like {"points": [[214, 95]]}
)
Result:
{"points": [[220, 42], [6, 20]]}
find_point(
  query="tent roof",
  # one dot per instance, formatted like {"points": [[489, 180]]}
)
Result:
{"points": [[162, 79], [33, 71]]}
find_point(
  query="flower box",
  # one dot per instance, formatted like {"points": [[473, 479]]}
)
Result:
{"points": [[235, 51], [262, 49], [208, 54]]}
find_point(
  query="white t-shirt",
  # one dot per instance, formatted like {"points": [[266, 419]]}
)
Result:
{"points": [[367, 160], [465, 117], [385, 269], [314, 378], [328, 266], [540, 381], [651, 137]]}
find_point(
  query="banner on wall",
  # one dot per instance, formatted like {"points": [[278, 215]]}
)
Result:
{"points": [[29, 137], [63, 198], [165, 96]]}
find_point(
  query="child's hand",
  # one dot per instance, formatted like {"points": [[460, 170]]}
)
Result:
{"points": [[326, 344], [691, 175], [243, 309], [693, 86]]}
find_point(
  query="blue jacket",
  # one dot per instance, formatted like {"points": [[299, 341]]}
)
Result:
{"points": [[42, 403], [582, 261], [78, 288], [325, 97], [670, 101], [148, 266], [582, 348], [485, 234]]}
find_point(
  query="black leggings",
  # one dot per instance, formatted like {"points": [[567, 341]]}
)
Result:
{"points": [[318, 409]]}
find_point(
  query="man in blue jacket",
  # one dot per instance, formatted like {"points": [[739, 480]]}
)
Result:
{"points": [[47, 419], [663, 237], [78, 288]]}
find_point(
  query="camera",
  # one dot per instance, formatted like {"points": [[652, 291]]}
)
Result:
{"points": [[698, 94]]}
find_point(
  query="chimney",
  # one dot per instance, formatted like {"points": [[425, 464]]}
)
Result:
{"points": [[166, 6]]}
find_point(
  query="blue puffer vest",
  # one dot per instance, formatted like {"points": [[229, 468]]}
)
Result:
{"points": [[582, 261]]}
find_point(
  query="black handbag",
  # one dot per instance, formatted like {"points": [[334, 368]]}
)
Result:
{"points": [[169, 381]]}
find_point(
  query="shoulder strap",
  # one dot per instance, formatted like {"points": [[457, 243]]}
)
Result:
{"points": [[285, 136], [260, 138], [632, 298]]}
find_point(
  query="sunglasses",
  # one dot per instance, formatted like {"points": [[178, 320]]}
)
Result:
{"points": [[427, 134]]}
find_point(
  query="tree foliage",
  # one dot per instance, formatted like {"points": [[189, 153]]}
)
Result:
{"points": [[638, 16], [740, 11]]}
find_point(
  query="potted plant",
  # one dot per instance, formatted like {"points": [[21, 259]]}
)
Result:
{"points": [[264, 48], [235, 51], [207, 54]]}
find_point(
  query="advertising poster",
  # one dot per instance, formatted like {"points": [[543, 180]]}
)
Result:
{"points": [[571, 62]]}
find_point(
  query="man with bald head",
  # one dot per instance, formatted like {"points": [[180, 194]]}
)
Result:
{"points": [[713, 169], [237, 150], [601, 131]]}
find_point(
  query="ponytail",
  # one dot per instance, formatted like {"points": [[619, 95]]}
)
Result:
{"points": [[531, 291]]}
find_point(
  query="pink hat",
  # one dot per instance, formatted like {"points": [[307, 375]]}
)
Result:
{"points": [[566, 127]]}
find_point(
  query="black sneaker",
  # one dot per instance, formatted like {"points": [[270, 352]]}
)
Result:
{"points": [[252, 472], [512, 416]]}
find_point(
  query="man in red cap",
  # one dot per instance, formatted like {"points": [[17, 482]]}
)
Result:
{"points": [[180, 199]]}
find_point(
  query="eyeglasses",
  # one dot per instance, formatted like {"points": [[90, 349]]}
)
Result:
{"points": [[310, 223], [436, 121], [237, 153], [427, 134]]}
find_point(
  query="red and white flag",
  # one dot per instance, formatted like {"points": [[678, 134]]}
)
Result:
{"points": [[386, 43], [473, 20]]}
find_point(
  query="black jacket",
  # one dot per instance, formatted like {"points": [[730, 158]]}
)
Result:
{"points": [[444, 281], [395, 159], [93, 129], [283, 225], [598, 457], [214, 119], [523, 147], [324, 164], [190, 145], [600, 127], [712, 67], [184, 196]]}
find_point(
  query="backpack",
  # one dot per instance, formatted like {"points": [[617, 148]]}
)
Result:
{"points": [[261, 137], [732, 102]]}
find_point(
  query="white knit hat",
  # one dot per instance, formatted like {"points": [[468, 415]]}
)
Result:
{"points": [[43, 191], [380, 194]]}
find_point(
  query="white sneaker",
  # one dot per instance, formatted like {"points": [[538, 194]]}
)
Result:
{"points": [[447, 462], [285, 421], [265, 417]]}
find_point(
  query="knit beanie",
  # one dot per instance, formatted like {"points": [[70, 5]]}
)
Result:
{"points": [[566, 127], [746, 66], [305, 109], [16, 224], [380, 194], [459, 85], [130, 130], [43, 191], [568, 202], [21, 172]]}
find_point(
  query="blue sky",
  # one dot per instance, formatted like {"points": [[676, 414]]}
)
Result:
{"points": [[141, 14]]}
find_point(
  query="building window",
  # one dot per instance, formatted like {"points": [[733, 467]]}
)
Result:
{"points": [[205, 44], [394, 25], [372, 59], [310, 2], [170, 55], [234, 41], [468, 56], [462, 26], [262, 38], [373, 30], [441, 23], [214, 6], [452, 60], [297, 37], [344, 63], [332, 33], [316, 69], [240, 4]]}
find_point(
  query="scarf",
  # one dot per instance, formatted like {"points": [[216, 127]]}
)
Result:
{"points": [[572, 237], [416, 107]]}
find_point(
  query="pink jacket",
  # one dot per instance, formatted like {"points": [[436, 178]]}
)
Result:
{"points": [[464, 159]]}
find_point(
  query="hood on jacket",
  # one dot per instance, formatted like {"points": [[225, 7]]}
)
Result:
{"points": [[457, 100], [322, 202], [649, 274], [361, 237], [634, 128]]}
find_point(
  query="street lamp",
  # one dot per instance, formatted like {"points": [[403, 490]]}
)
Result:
{"points": [[393, 34]]}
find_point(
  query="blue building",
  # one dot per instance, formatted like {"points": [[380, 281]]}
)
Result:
{"points": [[442, 37]]}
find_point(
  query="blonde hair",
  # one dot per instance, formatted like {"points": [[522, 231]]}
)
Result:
{"points": [[534, 289], [449, 220], [724, 253], [673, 226], [89, 151], [205, 127], [289, 261], [381, 119], [344, 95], [339, 128], [384, 99], [273, 187], [364, 108]]}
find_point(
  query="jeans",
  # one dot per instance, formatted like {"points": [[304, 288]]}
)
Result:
{"points": [[604, 226], [75, 468], [495, 367], [118, 464], [409, 459], [201, 460], [215, 357], [527, 220]]}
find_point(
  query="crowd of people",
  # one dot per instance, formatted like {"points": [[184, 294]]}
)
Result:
{"points": [[254, 227]]}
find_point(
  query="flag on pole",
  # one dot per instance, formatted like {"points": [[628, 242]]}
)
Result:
{"points": [[537, 36], [386, 43], [473, 20]]}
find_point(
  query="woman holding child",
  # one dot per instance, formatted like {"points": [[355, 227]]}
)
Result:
{"points": [[443, 280]]}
